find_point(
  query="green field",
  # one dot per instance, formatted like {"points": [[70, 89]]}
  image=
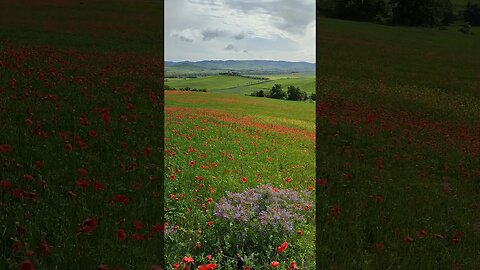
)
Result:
{"points": [[398, 147], [241, 85], [80, 122], [249, 141]]}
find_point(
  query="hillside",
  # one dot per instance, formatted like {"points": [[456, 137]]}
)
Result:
{"points": [[243, 66]]}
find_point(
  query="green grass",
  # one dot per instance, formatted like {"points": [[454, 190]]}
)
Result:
{"points": [[397, 118], [211, 83], [81, 127], [245, 137], [366, 61], [240, 85]]}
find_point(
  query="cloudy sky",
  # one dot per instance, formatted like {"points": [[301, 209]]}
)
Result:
{"points": [[240, 29]]}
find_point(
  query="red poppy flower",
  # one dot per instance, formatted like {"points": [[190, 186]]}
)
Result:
{"points": [[4, 148], [210, 200], [274, 264], [299, 232], [121, 235], [26, 265], [68, 147], [293, 265], [121, 199], [137, 225], [187, 259], [408, 239], [421, 234], [335, 211], [209, 257], [207, 266], [92, 133], [176, 265], [244, 179], [5, 184], [44, 247], [379, 246], [282, 247]]}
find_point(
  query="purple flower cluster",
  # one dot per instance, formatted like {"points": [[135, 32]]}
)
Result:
{"points": [[264, 205]]}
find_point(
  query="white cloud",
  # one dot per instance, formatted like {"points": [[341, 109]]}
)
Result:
{"points": [[266, 29]]}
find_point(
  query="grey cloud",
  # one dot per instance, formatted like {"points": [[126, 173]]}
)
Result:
{"points": [[230, 47], [209, 34], [239, 36], [245, 51], [292, 16], [182, 38]]}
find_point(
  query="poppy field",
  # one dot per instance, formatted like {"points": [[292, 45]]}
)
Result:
{"points": [[240, 182], [81, 115], [398, 152]]}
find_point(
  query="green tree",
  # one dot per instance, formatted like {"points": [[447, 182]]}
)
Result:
{"points": [[422, 12], [293, 93], [361, 10], [472, 14], [277, 92]]}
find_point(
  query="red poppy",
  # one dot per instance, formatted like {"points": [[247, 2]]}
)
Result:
{"points": [[121, 235], [176, 265], [92, 133], [26, 265], [207, 266], [335, 211], [121, 199], [379, 246], [293, 265], [103, 267], [282, 247], [44, 247], [5, 184], [408, 239], [210, 200], [4, 148], [274, 264], [137, 225], [187, 259], [68, 147], [244, 179], [299, 232], [209, 257], [421, 234]]}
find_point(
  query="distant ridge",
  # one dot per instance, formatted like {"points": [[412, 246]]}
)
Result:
{"points": [[243, 65]]}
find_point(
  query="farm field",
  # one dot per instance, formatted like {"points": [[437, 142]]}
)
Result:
{"points": [[398, 147], [80, 118], [241, 85], [218, 143]]}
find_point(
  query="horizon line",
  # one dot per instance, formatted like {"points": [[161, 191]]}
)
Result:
{"points": [[238, 60]]}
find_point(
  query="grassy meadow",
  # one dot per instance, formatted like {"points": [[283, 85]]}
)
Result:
{"points": [[242, 85], [397, 147], [217, 143], [80, 118]]}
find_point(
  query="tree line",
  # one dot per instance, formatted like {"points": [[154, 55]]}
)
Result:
{"points": [[400, 12], [166, 87], [292, 93]]}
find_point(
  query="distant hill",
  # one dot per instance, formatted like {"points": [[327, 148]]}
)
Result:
{"points": [[242, 66]]}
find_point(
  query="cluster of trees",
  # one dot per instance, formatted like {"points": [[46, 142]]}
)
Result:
{"points": [[166, 87], [292, 93], [233, 73], [402, 12]]}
